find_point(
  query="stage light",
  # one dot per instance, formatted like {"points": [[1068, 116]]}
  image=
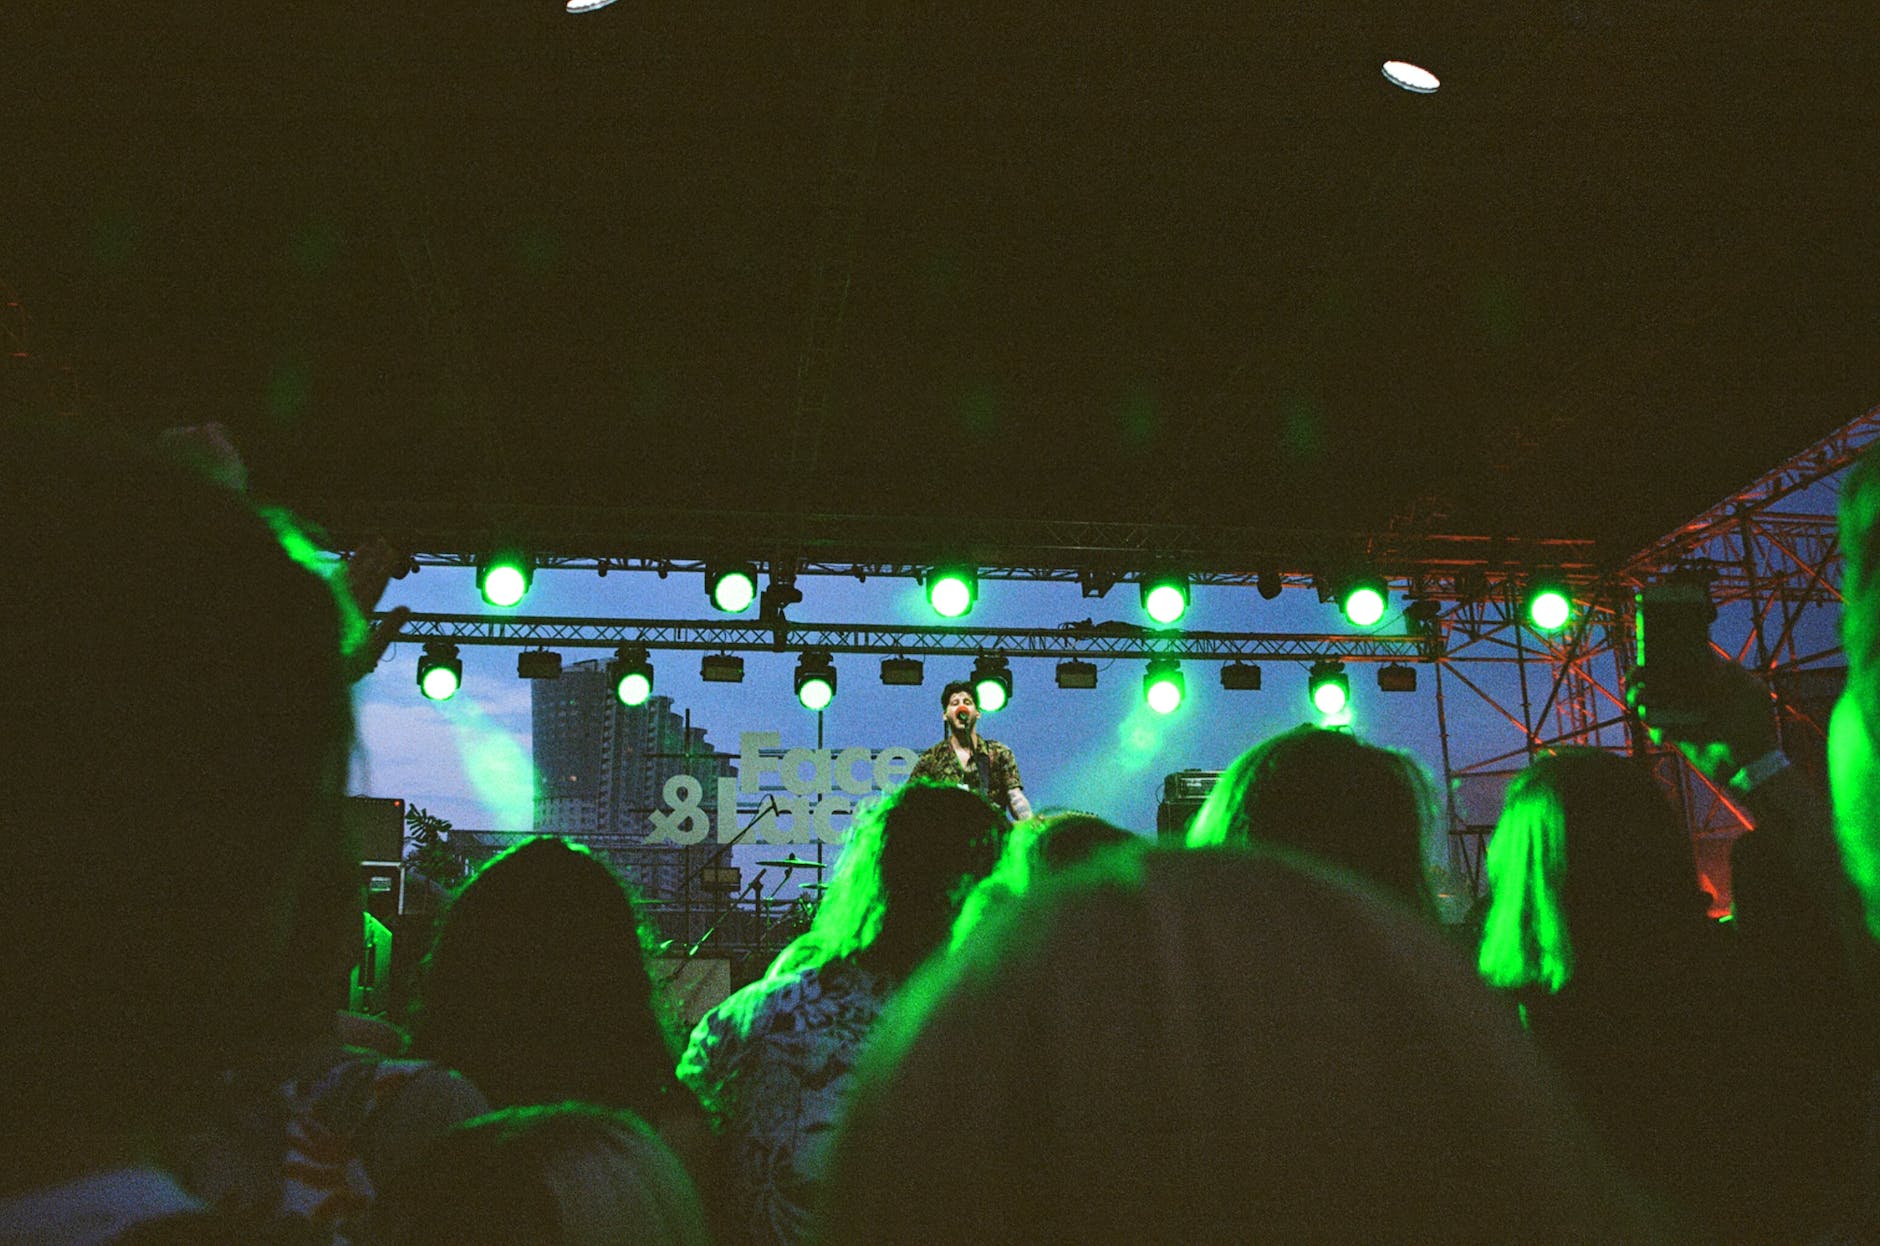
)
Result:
{"points": [[1075, 674], [1271, 583], [1164, 685], [721, 668], [538, 664], [503, 578], [1548, 604], [902, 672], [779, 595], [631, 675], [1330, 688], [732, 588], [1396, 677], [1363, 598], [440, 670], [815, 680], [1240, 677], [992, 683], [951, 591], [587, 6], [1411, 77], [1165, 597]]}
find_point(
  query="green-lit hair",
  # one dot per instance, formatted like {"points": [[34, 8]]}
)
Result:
{"points": [[1037, 848], [1312, 789], [1860, 620], [912, 855], [1524, 936], [1589, 865]]}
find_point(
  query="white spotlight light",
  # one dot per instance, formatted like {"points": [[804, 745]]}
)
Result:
{"points": [[1409, 77], [587, 6]]}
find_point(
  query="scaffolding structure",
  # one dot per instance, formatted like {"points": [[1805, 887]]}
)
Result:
{"points": [[1769, 552], [1771, 556]]}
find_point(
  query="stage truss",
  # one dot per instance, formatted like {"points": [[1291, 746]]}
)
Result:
{"points": [[1770, 551], [1772, 555]]}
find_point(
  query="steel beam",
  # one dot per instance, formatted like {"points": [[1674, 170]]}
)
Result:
{"points": [[755, 636]]}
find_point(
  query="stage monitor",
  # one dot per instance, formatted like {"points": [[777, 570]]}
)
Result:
{"points": [[377, 825]]}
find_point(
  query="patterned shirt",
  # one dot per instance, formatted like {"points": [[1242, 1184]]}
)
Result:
{"points": [[941, 764], [772, 1065]]}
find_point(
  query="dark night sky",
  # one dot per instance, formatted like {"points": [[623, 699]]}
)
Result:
{"points": [[1210, 268]]}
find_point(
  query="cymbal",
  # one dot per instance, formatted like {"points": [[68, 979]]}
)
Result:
{"points": [[812, 886], [794, 863]]}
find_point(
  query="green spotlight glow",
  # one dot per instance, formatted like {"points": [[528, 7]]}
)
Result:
{"points": [[1364, 606], [816, 693], [815, 679], [1549, 609], [1166, 602], [992, 682], [1164, 686], [734, 591], [1330, 688], [632, 674], [504, 583], [439, 683], [1165, 696], [440, 670], [950, 593]]}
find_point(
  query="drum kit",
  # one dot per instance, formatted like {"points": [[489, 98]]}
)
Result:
{"points": [[789, 864]]}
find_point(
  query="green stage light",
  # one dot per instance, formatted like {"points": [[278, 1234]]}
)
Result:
{"points": [[951, 591], [631, 674], [815, 680], [992, 683], [1165, 597], [1363, 601], [732, 588], [504, 578], [1549, 605], [1330, 688], [440, 670], [1164, 685]]}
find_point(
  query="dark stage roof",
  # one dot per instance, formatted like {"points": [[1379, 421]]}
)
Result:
{"points": [[1108, 262]]}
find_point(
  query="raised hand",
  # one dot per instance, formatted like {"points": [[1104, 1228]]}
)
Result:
{"points": [[1737, 726]]}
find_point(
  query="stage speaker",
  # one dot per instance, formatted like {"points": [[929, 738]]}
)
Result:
{"points": [[1182, 795], [377, 825]]}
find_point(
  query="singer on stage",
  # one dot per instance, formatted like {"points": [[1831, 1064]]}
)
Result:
{"points": [[966, 759]]}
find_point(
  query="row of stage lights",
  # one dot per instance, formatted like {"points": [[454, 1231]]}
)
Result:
{"points": [[1164, 686], [953, 590]]}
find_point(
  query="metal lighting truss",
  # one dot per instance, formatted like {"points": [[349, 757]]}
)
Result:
{"points": [[1770, 550], [1095, 641], [1095, 552], [1773, 559]]}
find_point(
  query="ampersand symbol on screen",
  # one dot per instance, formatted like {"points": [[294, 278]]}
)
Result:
{"points": [[688, 822]]}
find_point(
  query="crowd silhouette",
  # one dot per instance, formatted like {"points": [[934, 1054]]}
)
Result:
{"points": [[1049, 1032]]}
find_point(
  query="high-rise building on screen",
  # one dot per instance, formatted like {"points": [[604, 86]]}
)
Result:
{"points": [[601, 769]]}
